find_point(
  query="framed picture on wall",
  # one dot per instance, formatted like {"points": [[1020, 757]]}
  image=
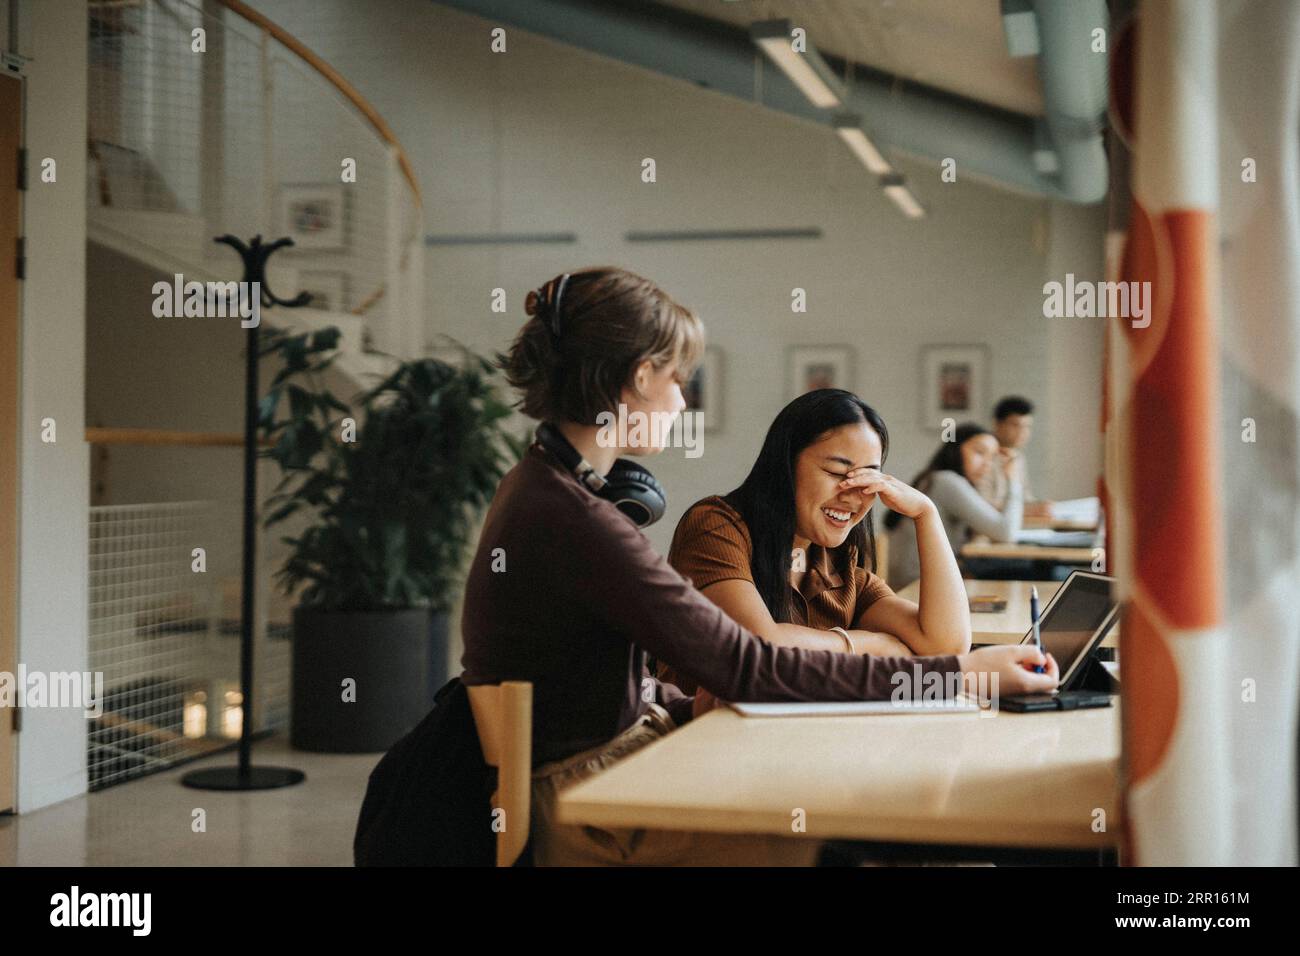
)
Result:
{"points": [[328, 289], [314, 216], [819, 366], [703, 393], [954, 383]]}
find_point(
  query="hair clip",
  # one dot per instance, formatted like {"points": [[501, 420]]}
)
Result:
{"points": [[552, 306]]}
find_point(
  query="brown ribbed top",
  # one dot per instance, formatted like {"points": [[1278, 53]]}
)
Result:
{"points": [[712, 543]]}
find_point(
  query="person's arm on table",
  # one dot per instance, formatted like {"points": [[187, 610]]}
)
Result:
{"points": [[716, 554], [961, 500], [742, 603], [740, 600], [646, 602], [1007, 669], [680, 707], [1035, 507], [651, 605], [989, 671]]}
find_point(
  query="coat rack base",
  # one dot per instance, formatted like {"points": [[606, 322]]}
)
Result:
{"points": [[250, 778]]}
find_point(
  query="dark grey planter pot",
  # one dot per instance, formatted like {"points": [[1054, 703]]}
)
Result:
{"points": [[398, 660]]}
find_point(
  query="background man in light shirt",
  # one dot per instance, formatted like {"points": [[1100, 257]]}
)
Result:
{"points": [[1013, 424]]}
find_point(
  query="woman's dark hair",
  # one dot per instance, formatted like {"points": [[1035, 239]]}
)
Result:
{"points": [[766, 499], [586, 334], [947, 458]]}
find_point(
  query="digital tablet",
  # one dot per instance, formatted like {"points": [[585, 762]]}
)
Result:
{"points": [[1075, 621]]}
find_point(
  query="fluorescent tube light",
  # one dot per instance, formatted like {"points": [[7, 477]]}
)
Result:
{"points": [[849, 128], [896, 189], [806, 70]]}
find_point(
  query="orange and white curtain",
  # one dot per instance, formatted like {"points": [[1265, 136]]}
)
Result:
{"points": [[1203, 435]]}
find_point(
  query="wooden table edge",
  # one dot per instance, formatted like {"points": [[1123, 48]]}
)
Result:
{"points": [[836, 826]]}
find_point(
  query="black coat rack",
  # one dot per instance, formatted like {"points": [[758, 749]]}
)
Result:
{"points": [[244, 776]]}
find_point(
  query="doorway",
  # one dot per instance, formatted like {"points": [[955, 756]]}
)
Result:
{"points": [[11, 102]]}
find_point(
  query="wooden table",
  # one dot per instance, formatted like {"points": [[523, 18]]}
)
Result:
{"points": [[1011, 625], [967, 779], [1031, 552]]}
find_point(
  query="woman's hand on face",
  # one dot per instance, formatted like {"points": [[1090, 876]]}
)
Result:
{"points": [[1010, 462], [896, 495]]}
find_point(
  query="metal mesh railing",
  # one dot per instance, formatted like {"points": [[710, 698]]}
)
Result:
{"points": [[164, 633], [194, 135]]}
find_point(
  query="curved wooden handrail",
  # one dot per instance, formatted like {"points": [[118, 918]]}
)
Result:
{"points": [[364, 306], [291, 42], [164, 436]]}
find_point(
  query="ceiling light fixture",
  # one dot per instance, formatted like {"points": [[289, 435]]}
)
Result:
{"points": [[804, 67], [849, 128], [896, 189]]}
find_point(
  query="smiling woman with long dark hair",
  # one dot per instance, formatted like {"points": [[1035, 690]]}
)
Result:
{"points": [[790, 554]]}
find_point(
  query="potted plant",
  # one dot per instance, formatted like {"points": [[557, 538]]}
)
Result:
{"points": [[393, 495]]}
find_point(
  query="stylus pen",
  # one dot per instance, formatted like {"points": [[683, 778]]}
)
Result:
{"points": [[1033, 613]]}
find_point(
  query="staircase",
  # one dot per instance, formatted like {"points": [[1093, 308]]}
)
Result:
{"points": [[252, 134]]}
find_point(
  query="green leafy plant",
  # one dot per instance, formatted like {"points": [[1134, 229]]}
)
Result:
{"points": [[395, 506]]}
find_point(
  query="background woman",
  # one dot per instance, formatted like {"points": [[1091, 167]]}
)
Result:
{"points": [[949, 480]]}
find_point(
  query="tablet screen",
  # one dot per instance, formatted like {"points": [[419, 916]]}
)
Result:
{"points": [[1067, 627]]}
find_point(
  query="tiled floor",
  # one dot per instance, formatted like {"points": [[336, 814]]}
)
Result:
{"points": [[150, 821]]}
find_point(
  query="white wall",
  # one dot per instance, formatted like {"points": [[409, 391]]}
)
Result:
{"points": [[54, 489], [1075, 352]]}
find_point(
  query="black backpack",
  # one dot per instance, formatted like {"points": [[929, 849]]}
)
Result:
{"points": [[428, 801]]}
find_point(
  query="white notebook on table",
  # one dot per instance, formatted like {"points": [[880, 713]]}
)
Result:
{"points": [[1047, 537], [854, 708], [1077, 509]]}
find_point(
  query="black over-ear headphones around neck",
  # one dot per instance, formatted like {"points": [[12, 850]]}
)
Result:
{"points": [[632, 489]]}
